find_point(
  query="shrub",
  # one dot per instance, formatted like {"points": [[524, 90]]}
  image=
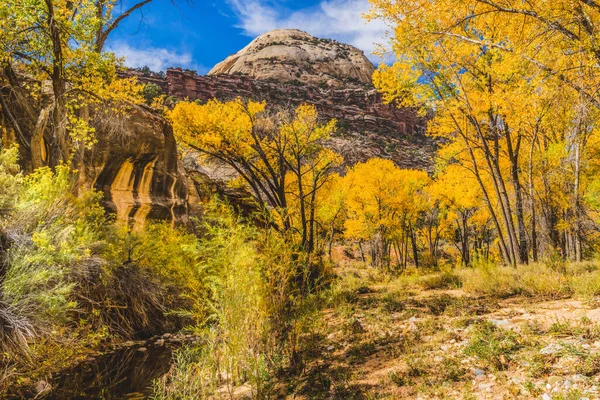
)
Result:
{"points": [[587, 285], [150, 92], [540, 281], [488, 279], [238, 324], [493, 345], [192, 376], [50, 236], [261, 305], [157, 272], [67, 266], [443, 280]]}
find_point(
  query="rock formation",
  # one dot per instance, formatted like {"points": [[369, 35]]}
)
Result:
{"points": [[135, 164], [290, 67], [290, 55], [366, 126]]}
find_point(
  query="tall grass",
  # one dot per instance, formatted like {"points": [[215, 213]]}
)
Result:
{"points": [[262, 301], [542, 280]]}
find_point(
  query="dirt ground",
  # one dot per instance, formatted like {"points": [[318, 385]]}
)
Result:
{"points": [[387, 341]]}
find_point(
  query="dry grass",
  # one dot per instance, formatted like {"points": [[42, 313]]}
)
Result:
{"points": [[534, 280]]}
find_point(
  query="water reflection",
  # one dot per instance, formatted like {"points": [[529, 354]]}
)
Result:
{"points": [[124, 374]]}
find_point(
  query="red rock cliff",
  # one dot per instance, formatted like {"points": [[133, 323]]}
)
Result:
{"points": [[367, 126]]}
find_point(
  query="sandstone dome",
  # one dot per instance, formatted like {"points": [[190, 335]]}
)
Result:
{"points": [[293, 56]]}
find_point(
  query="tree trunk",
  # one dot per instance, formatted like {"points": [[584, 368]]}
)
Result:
{"points": [[38, 145], [59, 86], [465, 241], [513, 155], [415, 250], [534, 249], [576, 222]]}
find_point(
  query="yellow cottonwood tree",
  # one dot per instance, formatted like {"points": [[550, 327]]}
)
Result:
{"points": [[382, 206], [279, 154], [54, 41], [497, 72]]}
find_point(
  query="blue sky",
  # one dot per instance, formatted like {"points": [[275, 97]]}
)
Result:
{"points": [[201, 34]]}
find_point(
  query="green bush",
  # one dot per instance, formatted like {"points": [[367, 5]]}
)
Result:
{"points": [[66, 266], [236, 330], [443, 280], [492, 345], [52, 235], [536, 280], [261, 305]]}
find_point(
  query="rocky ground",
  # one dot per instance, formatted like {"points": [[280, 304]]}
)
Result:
{"points": [[400, 339]]}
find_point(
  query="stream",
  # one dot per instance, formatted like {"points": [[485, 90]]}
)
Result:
{"points": [[126, 373]]}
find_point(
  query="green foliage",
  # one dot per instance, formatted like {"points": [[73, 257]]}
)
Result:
{"points": [[193, 376], [444, 280], [53, 235], [172, 258], [237, 346], [492, 345], [489, 279], [150, 92], [260, 306], [68, 266]]}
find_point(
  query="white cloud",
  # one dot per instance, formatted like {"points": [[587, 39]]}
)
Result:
{"points": [[157, 59], [334, 19]]}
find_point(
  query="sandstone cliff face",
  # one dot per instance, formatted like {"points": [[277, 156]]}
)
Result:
{"points": [[366, 126], [288, 55], [135, 164], [290, 67]]}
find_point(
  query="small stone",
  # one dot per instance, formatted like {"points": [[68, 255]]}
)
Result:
{"points": [[546, 396], [142, 349], [567, 384], [243, 392], [477, 372], [499, 322], [552, 348], [167, 335], [412, 327], [330, 348], [553, 380], [160, 342], [42, 387]]}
